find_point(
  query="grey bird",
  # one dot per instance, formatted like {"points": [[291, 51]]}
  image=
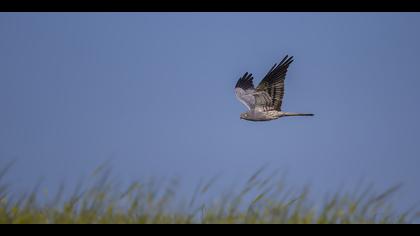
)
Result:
{"points": [[264, 102]]}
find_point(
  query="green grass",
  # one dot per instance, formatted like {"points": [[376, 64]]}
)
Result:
{"points": [[259, 199]]}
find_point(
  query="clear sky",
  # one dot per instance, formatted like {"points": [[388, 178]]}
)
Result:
{"points": [[154, 93]]}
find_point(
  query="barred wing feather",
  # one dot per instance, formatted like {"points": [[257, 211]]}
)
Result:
{"points": [[273, 83]]}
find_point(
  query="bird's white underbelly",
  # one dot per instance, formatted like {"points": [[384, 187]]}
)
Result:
{"points": [[268, 115], [274, 114]]}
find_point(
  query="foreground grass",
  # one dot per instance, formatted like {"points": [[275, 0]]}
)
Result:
{"points": [[258, 200]]}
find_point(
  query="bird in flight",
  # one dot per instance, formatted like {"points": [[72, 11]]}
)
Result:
{"points": [[264, 102]]}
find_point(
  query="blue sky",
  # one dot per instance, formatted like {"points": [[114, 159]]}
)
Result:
{"points": [[153, 93]]}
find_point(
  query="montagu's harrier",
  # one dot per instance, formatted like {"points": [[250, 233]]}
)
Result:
{"points": [[264, 102]]}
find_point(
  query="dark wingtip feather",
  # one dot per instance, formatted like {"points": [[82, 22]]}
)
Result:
{"points": [[245, 82], [288, 59]]}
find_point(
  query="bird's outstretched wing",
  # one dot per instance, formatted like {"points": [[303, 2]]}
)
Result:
{"points": [[272, 85], [252, 99], [244, 89]]}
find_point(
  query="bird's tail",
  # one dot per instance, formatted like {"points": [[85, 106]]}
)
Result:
{"points": [[297, 114]]}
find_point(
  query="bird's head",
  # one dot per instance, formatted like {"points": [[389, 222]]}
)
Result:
{"points": [[244, 116]]}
